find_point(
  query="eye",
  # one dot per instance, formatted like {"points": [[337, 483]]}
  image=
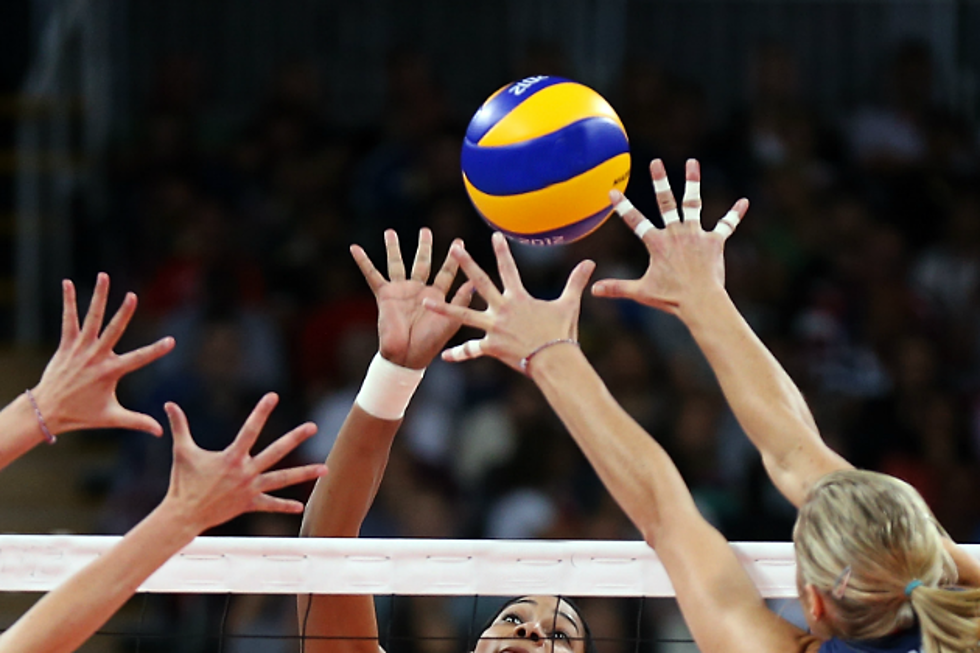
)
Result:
{"points": [[510, 618], [560, 635]]}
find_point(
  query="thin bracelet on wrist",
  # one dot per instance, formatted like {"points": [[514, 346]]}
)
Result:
{"points": [[48, 435], [537, 350]]}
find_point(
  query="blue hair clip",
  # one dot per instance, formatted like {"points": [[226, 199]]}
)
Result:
{"points": [[911, 586], [840, 583]]}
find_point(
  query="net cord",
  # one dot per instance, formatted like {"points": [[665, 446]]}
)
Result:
{"points": [[424, 567]]}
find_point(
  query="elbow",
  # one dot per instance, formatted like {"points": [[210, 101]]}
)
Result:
{"points": [[651, 531]]}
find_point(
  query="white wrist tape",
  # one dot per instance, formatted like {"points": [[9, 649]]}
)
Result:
{"points": [[387, 388]]}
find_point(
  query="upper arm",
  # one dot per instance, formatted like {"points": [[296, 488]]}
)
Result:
{"points": [[967, 566], [721, 605]]}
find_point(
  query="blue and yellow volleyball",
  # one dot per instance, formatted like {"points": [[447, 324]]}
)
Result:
{"points": [[540, 157]]}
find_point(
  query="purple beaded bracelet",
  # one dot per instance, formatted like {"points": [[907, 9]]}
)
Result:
{"points": [[48, 435], [557, 341]]}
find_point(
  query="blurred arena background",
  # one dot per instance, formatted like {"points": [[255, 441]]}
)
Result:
{"points": [[219, 156]]}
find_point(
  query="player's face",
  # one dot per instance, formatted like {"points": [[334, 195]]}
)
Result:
{"points": [[534, 624]]}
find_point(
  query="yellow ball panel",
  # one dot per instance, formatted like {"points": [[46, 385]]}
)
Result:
{"points": [[557, 205], [546, 112]]}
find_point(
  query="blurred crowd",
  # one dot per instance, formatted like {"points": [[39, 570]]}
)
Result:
{"points": [[858, 265]]}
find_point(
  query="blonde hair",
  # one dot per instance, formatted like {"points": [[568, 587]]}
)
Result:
{"points": [[869, 543]]}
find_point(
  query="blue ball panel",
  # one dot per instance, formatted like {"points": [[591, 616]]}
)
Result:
{"points": [[503, 103], [539, 163], [565, 234]]}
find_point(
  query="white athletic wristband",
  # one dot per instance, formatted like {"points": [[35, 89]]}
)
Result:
{"points": [[387, 388]]}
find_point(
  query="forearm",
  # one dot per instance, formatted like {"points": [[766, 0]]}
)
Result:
{"points": [[357, 462], [19, 430], [67, 616], [633, 466], [765, 400], [714, 592], [337, 508]]}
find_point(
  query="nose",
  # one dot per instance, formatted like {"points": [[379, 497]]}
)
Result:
{"points": [[531, 630]]}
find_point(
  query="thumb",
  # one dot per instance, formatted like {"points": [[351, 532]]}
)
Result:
{"points": [[578, 279], [615, 288], [128, 419], [178, 424]]}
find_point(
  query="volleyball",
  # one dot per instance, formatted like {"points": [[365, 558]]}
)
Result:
{"points": [[540, 157]]}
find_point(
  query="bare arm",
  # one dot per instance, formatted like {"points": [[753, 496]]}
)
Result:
{"points": [[78, 387], [409, 336], [686, 277], [720, 603], [337, 508], [766, 402], [206, 489]]}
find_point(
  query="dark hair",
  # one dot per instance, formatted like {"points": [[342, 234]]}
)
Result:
{"points": [[589, 642]]}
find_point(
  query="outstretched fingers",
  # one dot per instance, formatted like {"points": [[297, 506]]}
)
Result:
{"points": [[506, 264], [117, 325], [280, 478], [447, 273], [692, 193], [396, 266], [484, 285], [458, 311], [467, 351], [464, 294], [578, 280], [250, 431], [131, 420], [266, 503], [134, 360], [375, 279], [96, 309], [665, 197], [422, 265], [616, 288], [643, 228], [178, 425], [281, 447], [69, 312], [726, 225]]}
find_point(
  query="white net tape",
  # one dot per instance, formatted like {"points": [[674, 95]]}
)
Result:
{"points": [[254, 565]]}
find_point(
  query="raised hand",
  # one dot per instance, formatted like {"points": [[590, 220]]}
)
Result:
{"points": [[408, 334], [516, 324], [685, 260], [78, 387], [212, 487]]}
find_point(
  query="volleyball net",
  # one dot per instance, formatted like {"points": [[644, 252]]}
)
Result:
{"points": [[236, 594], [422, 567]]}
